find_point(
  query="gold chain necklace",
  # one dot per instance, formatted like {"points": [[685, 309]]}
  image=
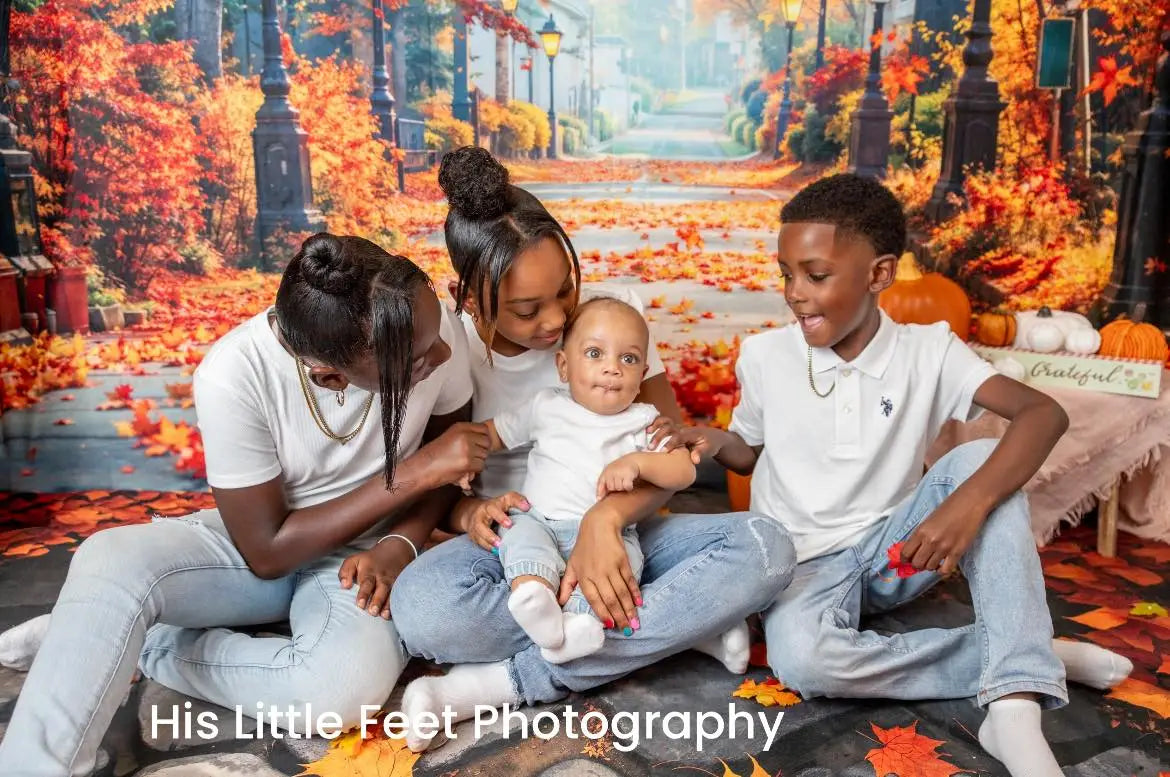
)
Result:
{"points": [[812, 384], [315, 410]]}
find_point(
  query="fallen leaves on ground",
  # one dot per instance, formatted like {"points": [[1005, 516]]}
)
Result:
{"points": [[1148, 609], [769, 693], [1143, 694], [368, 753], [44, 520], [757, 770], [906, 753]]}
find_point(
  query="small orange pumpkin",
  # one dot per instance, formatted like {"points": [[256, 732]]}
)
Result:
{"points": [[996, 329], [927, 299], [1134, 340], [739, 491]]}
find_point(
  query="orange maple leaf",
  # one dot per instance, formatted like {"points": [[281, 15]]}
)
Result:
{"points": [[360, 752], [173, 436], [1143, 694], [1109, 78], [769, 693], [907, 753]]}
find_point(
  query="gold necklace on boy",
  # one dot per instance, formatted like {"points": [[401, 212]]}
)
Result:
{"points": [[812, 384]]}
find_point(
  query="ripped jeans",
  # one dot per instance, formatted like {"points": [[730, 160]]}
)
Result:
{"points": [[703, 574]]}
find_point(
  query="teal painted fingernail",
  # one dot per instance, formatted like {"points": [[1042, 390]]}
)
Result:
{"points": [[628, 631], [496, 551]]}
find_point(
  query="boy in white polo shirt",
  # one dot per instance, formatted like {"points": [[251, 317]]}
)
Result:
{"points": [[590, 439], [834, 419]]}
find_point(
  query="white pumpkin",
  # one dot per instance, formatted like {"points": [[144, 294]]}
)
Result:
{"points": [[1045, 337], [1082, 340], [1062, 319], [1008, 366]]}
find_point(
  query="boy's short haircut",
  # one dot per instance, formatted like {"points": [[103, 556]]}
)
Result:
{"points": [[600, 301], [859, 206]]}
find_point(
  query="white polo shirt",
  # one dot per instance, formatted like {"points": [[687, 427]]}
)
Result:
{"points": [[833, 467]]}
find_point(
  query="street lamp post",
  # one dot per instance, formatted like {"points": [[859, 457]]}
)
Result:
{"points": [[284, 184], [381, 101], [791, 13], [1143, 231], [550, 37], [526, 64], [971, 127], [869, 141]]}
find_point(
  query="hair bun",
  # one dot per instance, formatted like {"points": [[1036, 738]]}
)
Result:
{"points": [[475, 183], [327, 266]]}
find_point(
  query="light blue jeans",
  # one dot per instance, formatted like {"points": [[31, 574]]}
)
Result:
{"points": [[703, 574], [815, 647], [536, 545], [157, 591]]}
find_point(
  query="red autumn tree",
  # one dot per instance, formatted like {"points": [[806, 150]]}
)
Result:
{"points": [[108, 123]]}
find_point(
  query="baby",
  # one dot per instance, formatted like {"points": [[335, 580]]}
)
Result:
{"points": [[589, 439]]}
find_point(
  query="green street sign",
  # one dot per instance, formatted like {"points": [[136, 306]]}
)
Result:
{"points": [[1054, 62]]}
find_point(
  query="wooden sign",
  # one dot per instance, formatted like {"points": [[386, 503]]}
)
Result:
{"points": [[1081, 371]]}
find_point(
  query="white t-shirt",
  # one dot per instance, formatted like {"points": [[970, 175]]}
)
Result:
{"points": [[508, 381], [571, 445], [256, 423], [833, 467]]}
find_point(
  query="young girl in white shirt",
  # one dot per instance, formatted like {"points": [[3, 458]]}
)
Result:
{"points": [[518, 283], [323, 419]]}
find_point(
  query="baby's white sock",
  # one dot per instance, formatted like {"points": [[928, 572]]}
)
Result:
{"points": [[1011, 732], [460, 690], [732, 647], [1092, 665], [583, 636], [19, 644], [535, 608]]}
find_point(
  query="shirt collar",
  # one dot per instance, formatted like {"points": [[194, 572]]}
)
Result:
{"points": [[872, 361]]}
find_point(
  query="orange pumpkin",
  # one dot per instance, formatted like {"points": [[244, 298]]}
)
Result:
{"points": [[925, 300], [1134, 340], [996, 329], [739, 491]]}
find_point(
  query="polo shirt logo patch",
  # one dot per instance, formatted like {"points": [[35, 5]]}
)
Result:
{"points": [[887, 407]]}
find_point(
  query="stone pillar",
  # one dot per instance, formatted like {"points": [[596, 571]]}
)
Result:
{"points": [[869, 140]]}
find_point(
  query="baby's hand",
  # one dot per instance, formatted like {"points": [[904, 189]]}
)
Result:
{"points": [[618, 476]]}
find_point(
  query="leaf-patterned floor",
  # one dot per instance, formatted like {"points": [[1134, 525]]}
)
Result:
{"points": [[1118, 603]]}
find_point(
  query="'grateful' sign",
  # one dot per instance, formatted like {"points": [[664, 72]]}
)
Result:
{"points": [[1071, 370]]}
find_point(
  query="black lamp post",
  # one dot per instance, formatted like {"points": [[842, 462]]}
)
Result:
{"points": [[869, 140], [284, 184], [1143, 229], [381, 101], [791, 12], [550, 37], [971, 127], [526, 64]]}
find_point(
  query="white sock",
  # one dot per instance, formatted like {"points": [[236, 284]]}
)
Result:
{"points": [[583, 636], [460, 691], [732, 647], [19, 645], [535, 608], [1011, 732], [1092, 665]]}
